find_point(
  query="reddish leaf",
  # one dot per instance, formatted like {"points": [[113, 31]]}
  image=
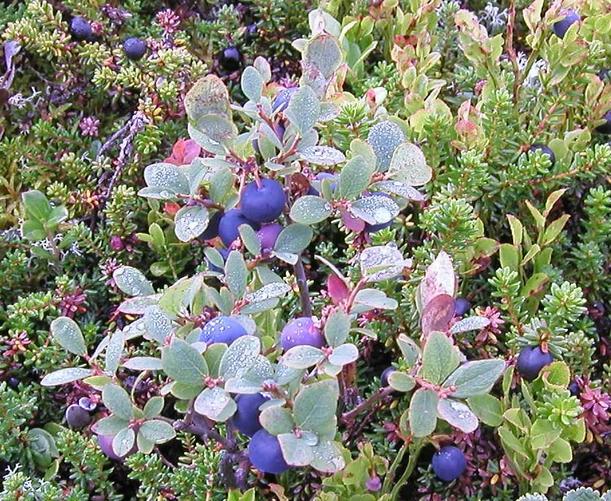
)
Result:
{"points": [[353, 223], [337, 289], [437, 314]]}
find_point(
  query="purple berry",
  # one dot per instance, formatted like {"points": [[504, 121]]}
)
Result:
{"points": [[301, 331], [561, 27], [246, 418], [318, 178], [263, 203], [268, 234], [76, 417], [230, 59], [265, 453], [251, 30], [461, 306], [574, 389], [13, 382], [212, 230], [134, 48], [449, 463], [80, 28], [281, 101], [546, 150], [531, 360], [229, 224], [386, 374], [87, 404], [605, 127], [222, 330]]}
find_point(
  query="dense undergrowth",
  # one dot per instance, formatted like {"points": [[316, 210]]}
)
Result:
{"points": [[283, 250]]}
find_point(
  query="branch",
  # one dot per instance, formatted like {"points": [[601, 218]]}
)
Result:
{"points": [[382, 393], [304, 291]]}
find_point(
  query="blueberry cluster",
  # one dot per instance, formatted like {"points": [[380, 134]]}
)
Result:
{"points": [[81, 30]]}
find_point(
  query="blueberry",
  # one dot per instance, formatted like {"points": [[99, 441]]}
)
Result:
{"points": [[561, 27], [265, 453], [546, 150], [264, 202], [246, 418], [134, 48], [605, 127], [461, 306], [212, 230], [301, 331], [80, 28], [604, 74], [251, 30], [449, 463], [386, 374], [230, 59], [222, 329], [531, 360], [77, 417], [13, 382], [574, 388], [318, 179], [268, 234], [87, 404], [281, 101], [224, 253], [229, 223]]}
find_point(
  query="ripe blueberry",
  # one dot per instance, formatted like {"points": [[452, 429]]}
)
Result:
{"points": [[80, 28], [13, 382], [222, 330], [449, 463], [263, 203], [246, 418], [230, 59], [605, 127], [461, 306], [318, 181], [281, 101], [134, 48], [386, 374], [531, 360], [574, 388], [265, 453], [300, 331], [229, 224], [77, 417], [87, 404], [268, 234], [546, 150], [561, 27]]}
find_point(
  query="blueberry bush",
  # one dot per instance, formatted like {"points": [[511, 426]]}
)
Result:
{"points": [[305, 250]]}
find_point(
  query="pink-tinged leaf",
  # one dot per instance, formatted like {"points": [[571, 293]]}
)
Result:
{"points": [[183, 152], [437, 314], [353, 223], [457, 414], [337, 289], [438, 279]]}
